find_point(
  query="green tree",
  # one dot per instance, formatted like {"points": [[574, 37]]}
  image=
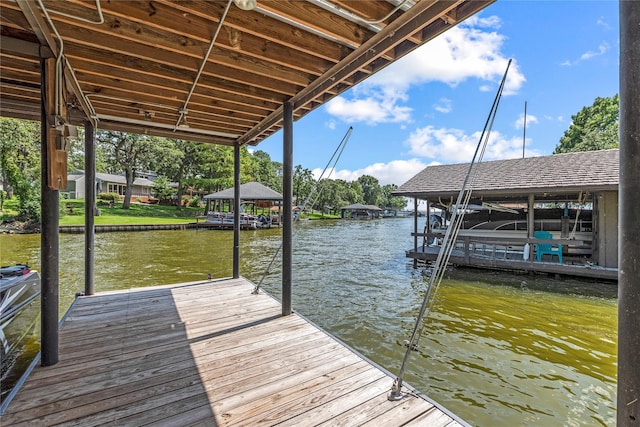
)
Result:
{"points": [[593, 128], [266, 171], [161, 188], [371, 190], [303, 184], [20, 165], [128, 153], [389, 201], [179, 161], [216, 169], [326, 198]]}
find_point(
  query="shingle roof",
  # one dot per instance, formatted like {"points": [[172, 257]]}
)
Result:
{"points": [[121, 179], [107, 177], [361, 207], [248, 191], [558, 173]]}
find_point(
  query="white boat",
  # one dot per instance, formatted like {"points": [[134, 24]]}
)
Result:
{"points": [[227, 220], [19, 311]]}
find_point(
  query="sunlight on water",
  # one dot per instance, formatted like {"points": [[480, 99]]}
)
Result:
{"points": [[497, 350]]}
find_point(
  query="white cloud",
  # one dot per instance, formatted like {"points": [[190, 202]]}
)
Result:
{"points": [[455, 146], [471, 50], [602, 23], [602, 49], [371, 110], [444, 105], [531, 119], [395, 172]]}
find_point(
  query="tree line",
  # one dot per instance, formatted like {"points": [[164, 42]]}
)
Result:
{"points": [[195, 167], [208, 168]]}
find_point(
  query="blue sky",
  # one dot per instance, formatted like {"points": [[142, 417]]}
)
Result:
{"points": [[430, 107]]}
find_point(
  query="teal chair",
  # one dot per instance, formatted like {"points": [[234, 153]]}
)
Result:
{"points": [[546, 248]]}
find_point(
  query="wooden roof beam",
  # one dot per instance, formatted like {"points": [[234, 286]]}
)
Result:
{"points": [[410, 22]]}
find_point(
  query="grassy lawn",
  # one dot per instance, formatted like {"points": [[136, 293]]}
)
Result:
{"points": [[72, 213], [137, 213]]}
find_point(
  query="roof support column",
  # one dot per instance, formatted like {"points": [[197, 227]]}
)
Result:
{"points": [[531, 222], [628, 412], [415, 229], [49, 250], [287, 195], [236, 211], [89, 207]]}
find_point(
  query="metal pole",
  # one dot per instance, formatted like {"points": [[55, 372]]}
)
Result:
{"points": [[524, 131], [287, 194], [531, 222], [415, 230], [49, 234], [89, 207], [628, 412], [236, 211]]}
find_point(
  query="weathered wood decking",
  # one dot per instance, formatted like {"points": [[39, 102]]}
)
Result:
{"points": [[207, 353], [515, 263]]}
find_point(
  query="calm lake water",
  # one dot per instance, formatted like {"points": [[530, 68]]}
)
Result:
{"points": [[497, 349]]}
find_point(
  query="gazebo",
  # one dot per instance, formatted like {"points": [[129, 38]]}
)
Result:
{"points": [[250, 193]]}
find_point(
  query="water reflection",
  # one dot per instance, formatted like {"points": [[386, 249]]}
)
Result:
{"points": [[497, 350]]}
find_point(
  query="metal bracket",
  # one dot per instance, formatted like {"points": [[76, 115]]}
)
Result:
{"points": [[413, 347]]}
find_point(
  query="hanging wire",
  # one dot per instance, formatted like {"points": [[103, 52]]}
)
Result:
{"points": [[338, 151], [448, 244]]}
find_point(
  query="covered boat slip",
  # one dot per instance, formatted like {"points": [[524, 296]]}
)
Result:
{"points": [[550, 214], [206, 353]]}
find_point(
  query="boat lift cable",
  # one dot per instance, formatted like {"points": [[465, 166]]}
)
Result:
{"points": [[448, 244], [338, 151]]}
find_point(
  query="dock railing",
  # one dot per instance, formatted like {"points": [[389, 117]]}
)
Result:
{"points": [[499, 247]]}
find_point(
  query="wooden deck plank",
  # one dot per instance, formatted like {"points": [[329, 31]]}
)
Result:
{"points": [[375, 408], [304, 401], [205, 353], [245, 340], [343, 403], [227, 355], [432, 418], [228, 384], [238, 408], [154, 396]]}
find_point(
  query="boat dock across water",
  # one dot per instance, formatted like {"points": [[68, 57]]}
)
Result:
{"points": [[207, 353]]}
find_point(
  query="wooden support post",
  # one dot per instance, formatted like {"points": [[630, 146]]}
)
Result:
{"points": [[50, 218], [89, 207], [531, 223], [467, 254], [236, 211], [287, 200], [628, 408]]}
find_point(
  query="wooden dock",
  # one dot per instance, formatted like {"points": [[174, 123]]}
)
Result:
{"points": [[508, 261], [207, 354]]}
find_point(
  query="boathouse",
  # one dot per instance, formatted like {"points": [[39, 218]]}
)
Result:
{"points": [[360, 211], [572, 196]]}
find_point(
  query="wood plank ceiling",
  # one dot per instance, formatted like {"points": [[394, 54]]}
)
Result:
{"points": [[206, 71]]}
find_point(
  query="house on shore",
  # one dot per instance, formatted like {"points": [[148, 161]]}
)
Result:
{"points": [[573, 196], [108, 183]]}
